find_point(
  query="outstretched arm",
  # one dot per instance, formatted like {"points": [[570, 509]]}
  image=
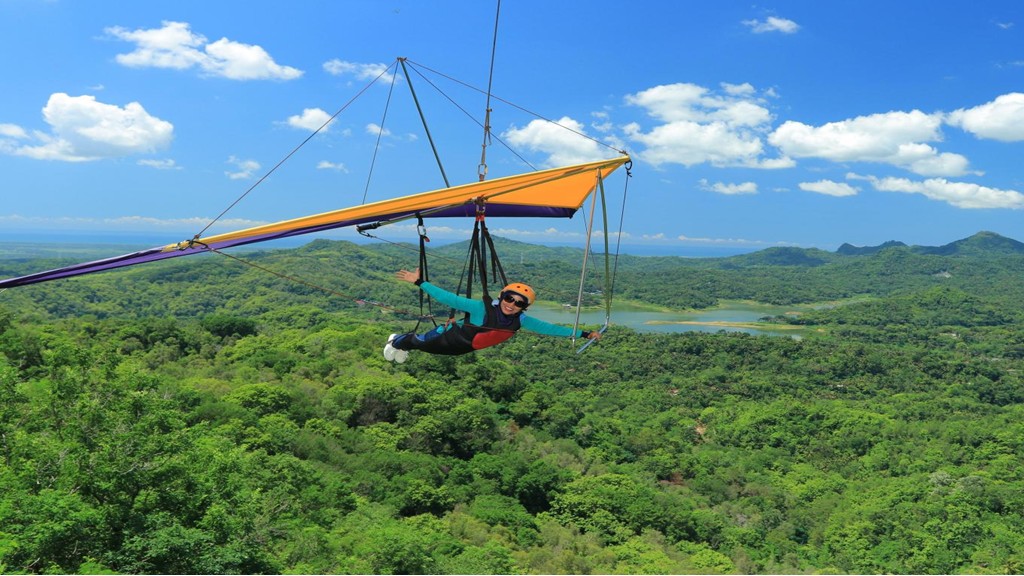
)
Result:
{"points": [[541, 327], [474, 307]]}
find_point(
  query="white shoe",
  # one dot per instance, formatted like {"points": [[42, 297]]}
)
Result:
{"points": [[401, 355], [390, 352]]}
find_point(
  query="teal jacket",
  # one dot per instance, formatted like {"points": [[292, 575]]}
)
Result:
{"points": [[477, 313]]}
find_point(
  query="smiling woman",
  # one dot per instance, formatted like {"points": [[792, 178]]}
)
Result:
{"points": [[487, 323]]}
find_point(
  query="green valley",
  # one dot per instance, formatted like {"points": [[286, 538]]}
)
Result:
{"points": [[204, 416]]}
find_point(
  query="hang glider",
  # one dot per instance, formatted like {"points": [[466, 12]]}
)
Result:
{"points": [[553, 193]]}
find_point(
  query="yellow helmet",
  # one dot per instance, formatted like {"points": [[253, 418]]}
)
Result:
{"points": [[521, 289]]}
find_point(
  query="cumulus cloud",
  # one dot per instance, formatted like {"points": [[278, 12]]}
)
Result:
{"points": [[1001, 119], [698, 125], [244, 169], [562, 146], [689, 143], [685, 102], [311, 119], [82, 129], [177, 47], [959, 194], [729, 189], [365, 72], [896, 138], [829, 188], [772, 24]]}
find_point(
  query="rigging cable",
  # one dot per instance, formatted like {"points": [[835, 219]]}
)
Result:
{"points": [[292, 153], [622, 217], [309, 284], [586, 254], [423, 119], [470, 116], [520, 108], [609, 276], [482, 168], [380, 134]]}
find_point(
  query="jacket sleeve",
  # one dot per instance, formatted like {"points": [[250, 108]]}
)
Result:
{"points": [[541, 327], [474, 307]]}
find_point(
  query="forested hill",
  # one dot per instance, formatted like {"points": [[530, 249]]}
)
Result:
{"points": [[984, 264], [205, 416]]}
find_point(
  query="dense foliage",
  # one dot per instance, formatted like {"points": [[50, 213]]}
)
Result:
{"points": [[206, 417]]}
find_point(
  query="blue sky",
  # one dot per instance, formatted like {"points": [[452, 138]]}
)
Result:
{"points": [[790, 123]]}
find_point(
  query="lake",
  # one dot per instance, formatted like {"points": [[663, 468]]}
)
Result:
{"points": [[733, 316]]}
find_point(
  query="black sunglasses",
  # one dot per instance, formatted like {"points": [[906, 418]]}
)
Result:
{"points": [[514, 301]]}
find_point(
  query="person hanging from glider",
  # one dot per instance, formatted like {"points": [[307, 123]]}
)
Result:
{"points": [[490, 323]]}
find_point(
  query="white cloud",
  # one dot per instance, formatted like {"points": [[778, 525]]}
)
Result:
{"points": [[195, 222], [772, 24], [602, 122], [745, 89], [239, 61], [689, 143], [82, 129], [311, 119], [701, 126], [720, 241], [729, 189], [328, 165], [774, 163], [359, 71], [12, 131], [126, 223], [166, 164], [959, 194], [245, 168], [176, 46], [684, 102], [1001, 119], [896, 138], [829, 188], [375, 129], [562, 146]]}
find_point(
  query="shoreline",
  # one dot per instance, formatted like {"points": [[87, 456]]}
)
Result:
{"points": [[749, 325]]}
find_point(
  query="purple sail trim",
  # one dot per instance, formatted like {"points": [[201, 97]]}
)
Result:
{"points": [[159, 253]]}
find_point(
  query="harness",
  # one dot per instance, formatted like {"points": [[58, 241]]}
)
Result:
{"points": [[464, 337]]}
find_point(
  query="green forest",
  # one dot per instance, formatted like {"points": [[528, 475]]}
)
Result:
{"points": [[207, 416]]}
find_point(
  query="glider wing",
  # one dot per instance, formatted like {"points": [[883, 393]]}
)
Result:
{"points": [[553, 193]]}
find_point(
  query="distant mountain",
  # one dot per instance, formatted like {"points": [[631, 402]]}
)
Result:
{"points": [[783, 256], [981, 244], [851, 250]]}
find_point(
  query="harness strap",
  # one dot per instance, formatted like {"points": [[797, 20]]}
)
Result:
{"points": [[481, 255], [421, 229]]}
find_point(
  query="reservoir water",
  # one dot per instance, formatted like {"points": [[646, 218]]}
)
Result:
{"points": [[729, 316]]}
